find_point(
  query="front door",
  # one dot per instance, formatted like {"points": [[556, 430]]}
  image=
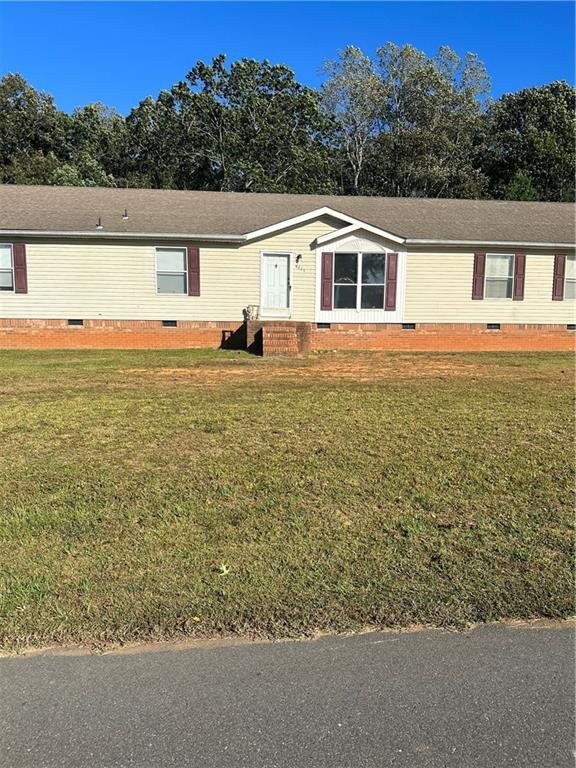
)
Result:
{"points": [[275, 299]]}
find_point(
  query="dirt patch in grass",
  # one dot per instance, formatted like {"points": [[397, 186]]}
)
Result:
{"points": [[373, 366], [279, 498]]}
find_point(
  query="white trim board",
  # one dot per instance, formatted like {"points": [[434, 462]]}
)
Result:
{"points": [[355, 227], [317, 213]]}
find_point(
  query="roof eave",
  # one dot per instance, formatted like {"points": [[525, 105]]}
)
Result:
{"points": [[104, 234], [125, 235], [495, 243]]}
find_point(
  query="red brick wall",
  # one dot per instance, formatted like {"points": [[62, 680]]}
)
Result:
{"points": [[150, 334], [115, 334], [445, 337]]}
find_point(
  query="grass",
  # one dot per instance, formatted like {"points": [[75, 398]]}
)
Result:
{"points": [[153, 494]]}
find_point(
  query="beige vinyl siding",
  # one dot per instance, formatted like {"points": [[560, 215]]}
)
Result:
{"points": [[115, 280], [439, 290]]}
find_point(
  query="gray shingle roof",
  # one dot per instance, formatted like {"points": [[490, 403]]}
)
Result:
{"points": [[77, 209]]}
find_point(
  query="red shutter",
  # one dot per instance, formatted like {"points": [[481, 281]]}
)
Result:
{"points": [[391, 280], [559, 274], [326, 281], [193, 270], [519, 272], [20, 273], [478, 277]]}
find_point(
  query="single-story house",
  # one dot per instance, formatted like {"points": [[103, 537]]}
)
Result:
{"points": [[138, 268]]}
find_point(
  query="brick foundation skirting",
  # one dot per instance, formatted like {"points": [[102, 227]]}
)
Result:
{"points": [[151, 334], [120, 334], [445, 337]]}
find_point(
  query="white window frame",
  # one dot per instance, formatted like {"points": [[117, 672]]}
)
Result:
{"points": [[569, 257], [512, 257], [268, 312], [164, 272], [359, 284], [11, 270]]}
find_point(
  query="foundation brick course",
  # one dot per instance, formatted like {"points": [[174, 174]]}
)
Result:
{"points": [[117, 334], [281, 337], [446, 337]]}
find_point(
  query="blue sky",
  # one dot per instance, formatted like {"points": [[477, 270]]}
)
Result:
{"points": [[118, 53]]}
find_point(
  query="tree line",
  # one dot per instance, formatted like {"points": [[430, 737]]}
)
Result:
{"points": [[399, 123]]}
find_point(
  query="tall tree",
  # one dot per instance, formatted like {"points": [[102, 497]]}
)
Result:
{"points": [[533, 132], [254, 127], [430, 122], [351, 95], [32, 133], [153, 149], [401, 124], [99, 133]]}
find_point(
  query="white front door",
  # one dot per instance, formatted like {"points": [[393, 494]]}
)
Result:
{"points": [[275, 299]]}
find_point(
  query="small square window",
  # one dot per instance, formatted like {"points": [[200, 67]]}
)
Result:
{"points": [[169, 323], [75, 322], [346, 268], [372, 297], [493, 326], [344, 297], [323, 325], [373, 267], [571, 326], [408, 326]]}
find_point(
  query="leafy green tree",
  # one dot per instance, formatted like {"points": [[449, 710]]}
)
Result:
{"points": [[152, 143], [252, 127], [430, 123], [41, 145], [520, 187], [532, 132], [352, 95], [401, 124], [97, 141], [85, 171], [32, 133]]}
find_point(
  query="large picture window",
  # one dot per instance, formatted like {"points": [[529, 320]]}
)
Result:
{"points": [[171, 272], [6, 268], [499, 276], [359, 280]]}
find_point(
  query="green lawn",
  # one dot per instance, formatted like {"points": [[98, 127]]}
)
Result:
{"points": [[151, 494]]}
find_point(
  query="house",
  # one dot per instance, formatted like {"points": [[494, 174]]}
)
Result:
{"points": [[139, 268]]}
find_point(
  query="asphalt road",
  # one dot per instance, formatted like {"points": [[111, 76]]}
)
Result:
{"points": [[497, 696]]}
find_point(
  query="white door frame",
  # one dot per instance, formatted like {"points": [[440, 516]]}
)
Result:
{"points": [[272, 313]]}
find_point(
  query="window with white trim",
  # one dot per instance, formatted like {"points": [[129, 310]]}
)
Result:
{"points": [[570, 278], [499, 276], [6, 268], [171, 270], [359, 280]]}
